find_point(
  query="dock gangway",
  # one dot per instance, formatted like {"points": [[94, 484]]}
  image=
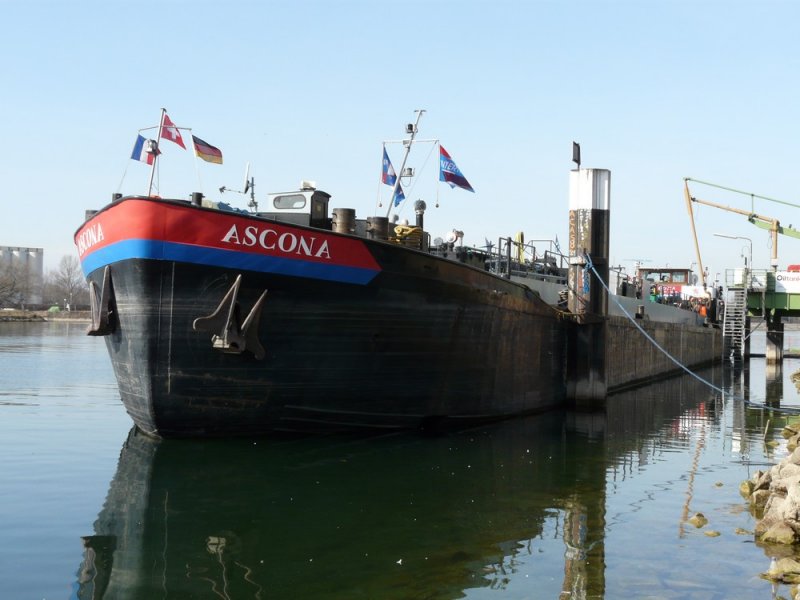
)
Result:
{"points": [[733, 326], [739, 283]]}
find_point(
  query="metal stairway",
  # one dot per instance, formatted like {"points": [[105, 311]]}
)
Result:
{"points": [[733, 324]]}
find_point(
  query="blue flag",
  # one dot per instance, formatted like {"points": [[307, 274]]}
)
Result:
{"points": [[399, 196], [450, 173], [388, 176]]}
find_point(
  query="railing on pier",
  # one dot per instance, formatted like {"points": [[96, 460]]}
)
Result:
{"points": [[745, 278]]}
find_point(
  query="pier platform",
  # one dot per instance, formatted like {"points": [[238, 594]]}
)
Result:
{"points": [[759, 298]]}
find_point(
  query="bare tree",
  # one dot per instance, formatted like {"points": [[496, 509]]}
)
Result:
{"points": [[29, 286], [51, 294], [68, 282], [9, 285]]}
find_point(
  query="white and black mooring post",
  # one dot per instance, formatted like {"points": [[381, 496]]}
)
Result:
{"points": [[589, 219]]}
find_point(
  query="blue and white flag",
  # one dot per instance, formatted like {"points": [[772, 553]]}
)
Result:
{"points": [[388, 176], [450, 173], [399, 196]]}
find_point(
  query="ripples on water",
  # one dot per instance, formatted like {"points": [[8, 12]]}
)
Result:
{"points": [[560, 505]]}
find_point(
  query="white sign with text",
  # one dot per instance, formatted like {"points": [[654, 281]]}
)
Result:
{"points": [[787, 282]]}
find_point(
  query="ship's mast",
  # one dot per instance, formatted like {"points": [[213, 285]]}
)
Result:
{"points": [[155, 152], [412, 129]]}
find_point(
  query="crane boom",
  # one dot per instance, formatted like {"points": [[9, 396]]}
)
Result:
{"points": [[694, 231], [769, 223], [781, 229]]}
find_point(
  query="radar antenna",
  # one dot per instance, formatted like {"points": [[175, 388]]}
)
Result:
{"points": [[249, 186]]}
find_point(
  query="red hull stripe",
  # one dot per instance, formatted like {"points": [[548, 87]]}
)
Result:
{"points": [[165, 231]]}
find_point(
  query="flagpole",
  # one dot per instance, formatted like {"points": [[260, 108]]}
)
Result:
{"points": [[403, 166], [155, 156], [194, 152], [438, 181], [380, 179]]}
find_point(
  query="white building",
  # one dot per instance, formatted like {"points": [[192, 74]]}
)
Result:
{"points": [[28, 265]]}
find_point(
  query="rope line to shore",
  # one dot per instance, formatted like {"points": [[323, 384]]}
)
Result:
{"points": [[681, 365]]}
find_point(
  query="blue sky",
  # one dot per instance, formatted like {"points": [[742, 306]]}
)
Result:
{"points": [[655, 91]]}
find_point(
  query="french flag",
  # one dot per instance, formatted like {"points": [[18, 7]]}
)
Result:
{"points": [[144, 150]]}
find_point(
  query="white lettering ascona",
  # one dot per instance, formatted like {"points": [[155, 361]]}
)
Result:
{"points": [[89, 237], [269, 239]]}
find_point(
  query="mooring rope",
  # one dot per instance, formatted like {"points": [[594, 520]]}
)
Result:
{"points": [[683, 367]]}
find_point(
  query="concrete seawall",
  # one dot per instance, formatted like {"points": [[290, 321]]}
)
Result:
{"points": [[15, 316], [631, 358]]}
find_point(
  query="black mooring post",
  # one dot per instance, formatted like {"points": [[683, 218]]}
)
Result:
{"points": [[774, 346]]}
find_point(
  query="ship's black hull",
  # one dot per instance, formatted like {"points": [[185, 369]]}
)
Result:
{"points": [[427, 341]]}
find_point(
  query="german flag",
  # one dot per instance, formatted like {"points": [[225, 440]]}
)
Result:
{"points": [[206, 151]]}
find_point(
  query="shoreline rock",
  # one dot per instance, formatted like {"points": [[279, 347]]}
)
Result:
{"points": [[774, 498]]}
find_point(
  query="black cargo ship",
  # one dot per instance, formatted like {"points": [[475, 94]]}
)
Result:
{"points": [[227, 322]]}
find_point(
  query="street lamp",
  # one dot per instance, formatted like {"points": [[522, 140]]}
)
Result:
{"points": [[748, 264]]}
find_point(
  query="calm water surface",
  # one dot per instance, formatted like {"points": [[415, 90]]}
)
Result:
{"points": [[565, 505]]}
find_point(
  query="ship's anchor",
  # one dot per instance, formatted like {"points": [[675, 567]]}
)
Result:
{"points": [[233, 338], [103, 306]]}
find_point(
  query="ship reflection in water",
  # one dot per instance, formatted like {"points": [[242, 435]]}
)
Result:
{"points": [[399, 516]]}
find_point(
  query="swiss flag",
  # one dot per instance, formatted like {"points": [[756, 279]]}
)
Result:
{"points": [[170, 132]]}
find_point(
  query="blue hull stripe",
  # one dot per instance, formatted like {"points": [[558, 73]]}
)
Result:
{"points": [[157, 250]]}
